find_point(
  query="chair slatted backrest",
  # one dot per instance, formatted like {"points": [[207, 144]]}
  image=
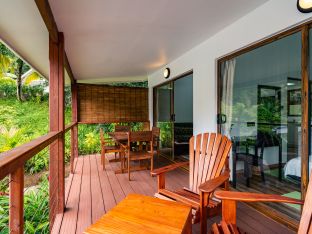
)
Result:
{"points": [[305, 225], [140, 136], [122, 128], [208, 154]]}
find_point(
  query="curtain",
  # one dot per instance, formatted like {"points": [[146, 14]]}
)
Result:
{"points": [[227, 101], [227, 95]]}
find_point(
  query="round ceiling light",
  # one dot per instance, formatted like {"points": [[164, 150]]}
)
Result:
{"points": [[167, 72], [304, 6]]}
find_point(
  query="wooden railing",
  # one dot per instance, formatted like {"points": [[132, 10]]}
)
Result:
{"points": [[12, 164]]}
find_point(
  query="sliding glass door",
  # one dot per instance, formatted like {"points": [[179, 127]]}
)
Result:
{"points": [[173, 114], [260, 105], [165, 118]]}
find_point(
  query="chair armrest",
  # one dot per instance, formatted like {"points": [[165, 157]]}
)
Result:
{"points": [[255, 197], [168, 168], [211, 185]]}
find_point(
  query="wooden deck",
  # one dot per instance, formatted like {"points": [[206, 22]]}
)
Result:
{"points": [[91, 192]]}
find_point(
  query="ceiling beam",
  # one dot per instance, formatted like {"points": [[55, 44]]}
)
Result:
{"points": [[48, 18], [69, 70]]}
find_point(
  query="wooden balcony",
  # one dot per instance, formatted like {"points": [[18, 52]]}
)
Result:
{"points": [[91, 192]]}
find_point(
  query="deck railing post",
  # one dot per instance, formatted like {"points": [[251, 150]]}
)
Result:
{"points": [[16, 217], [74, 130], [56, 109]]}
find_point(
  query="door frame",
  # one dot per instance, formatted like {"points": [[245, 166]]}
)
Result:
{"points": [[155, 113], [305, 94]]}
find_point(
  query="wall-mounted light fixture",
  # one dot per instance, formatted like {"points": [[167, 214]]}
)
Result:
{"points": [[304, 6], [167, 72]]}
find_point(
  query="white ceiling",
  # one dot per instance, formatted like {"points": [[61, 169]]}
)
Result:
{"points": [[23, 30], [117, 39], [127, 38]]}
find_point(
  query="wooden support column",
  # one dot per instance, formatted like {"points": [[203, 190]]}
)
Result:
{"points": [[305, 111], [56, 105], [16, 218], [74, 130]]}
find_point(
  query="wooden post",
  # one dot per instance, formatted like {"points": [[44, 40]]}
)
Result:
{"points": [[74, 130], [16, 218], [56, 105]]}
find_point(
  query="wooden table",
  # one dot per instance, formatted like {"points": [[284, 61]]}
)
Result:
{"points": [[121, 138], [143, 214]]}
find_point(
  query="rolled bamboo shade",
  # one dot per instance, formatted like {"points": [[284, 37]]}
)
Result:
{"points": [[112, 104]]}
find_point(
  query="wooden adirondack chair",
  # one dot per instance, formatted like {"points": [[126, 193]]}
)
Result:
{"points": [[229, 199], [208, 155]]}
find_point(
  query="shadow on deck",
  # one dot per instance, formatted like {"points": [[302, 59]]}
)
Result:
{"points": [[91, 192]]}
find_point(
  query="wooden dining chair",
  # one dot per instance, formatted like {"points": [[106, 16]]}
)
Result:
{"points": [[230, 199], [207, 157], [139, 155], [108, 146]]}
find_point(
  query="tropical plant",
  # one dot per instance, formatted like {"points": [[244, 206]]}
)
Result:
{"points": [[14, 67], [10, 138], [36, 209]]}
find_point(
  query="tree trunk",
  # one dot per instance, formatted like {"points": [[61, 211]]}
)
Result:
{"points": [[18, 74]]}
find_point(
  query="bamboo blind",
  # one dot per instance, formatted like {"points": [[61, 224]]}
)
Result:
{"points": [[112, 104]]}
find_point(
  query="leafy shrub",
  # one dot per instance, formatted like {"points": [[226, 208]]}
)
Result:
{"points": [[10, 138], [38, 163], [88, 139], [35, 93], [7, 87], [36, 210]]}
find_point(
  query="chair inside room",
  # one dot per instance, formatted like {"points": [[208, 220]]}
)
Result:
{"points": [[207, 159], [251, 152], [108, 145], [139, 154], [230, 199]]}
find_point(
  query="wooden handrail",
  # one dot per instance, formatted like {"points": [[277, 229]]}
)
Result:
{"points": [[70, 126], [16, 158]]}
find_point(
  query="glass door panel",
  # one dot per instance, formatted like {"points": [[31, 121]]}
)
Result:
{"points": [[183, 116], [261, 102], [164, 119]]}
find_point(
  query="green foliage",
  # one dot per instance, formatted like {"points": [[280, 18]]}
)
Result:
{"points": [[36, 210], [143, 84], [10, 138], [7, 87], [165, 134], [88, 139], [38, 163]]}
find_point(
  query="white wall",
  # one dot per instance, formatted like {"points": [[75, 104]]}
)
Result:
{"points": [[271, 18]]}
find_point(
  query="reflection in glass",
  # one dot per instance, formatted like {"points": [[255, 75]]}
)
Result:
{"points": [[261, 99]]}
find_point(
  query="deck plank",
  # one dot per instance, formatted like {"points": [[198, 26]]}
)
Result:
{"points": [[116, 188], [84, 212], [105, 189], [123, 179], [96, 191], [108, 196], [69, 222]]}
